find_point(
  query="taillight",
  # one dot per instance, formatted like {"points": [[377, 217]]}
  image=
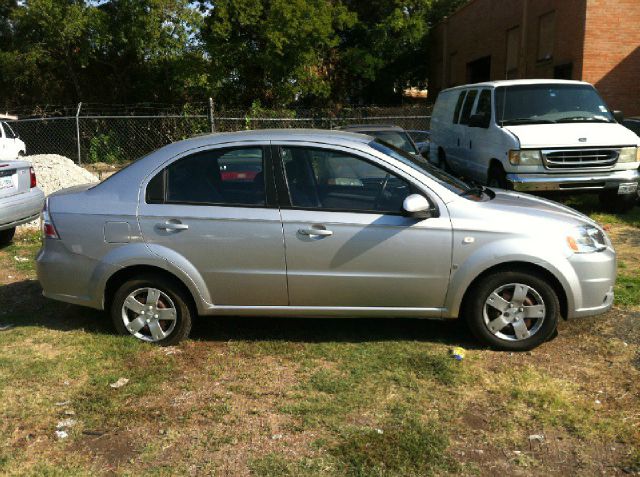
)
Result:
{"points": [[48, 229], [34, 182]]}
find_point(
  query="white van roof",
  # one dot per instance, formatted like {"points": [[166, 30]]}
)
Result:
{"points": [[495, 84]]}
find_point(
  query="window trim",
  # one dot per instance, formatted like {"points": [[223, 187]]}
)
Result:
{"points": [[284, 194], [267, 168]]}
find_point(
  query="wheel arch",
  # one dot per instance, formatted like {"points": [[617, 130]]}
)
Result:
{"points": [[524, 267], [121, 276]]}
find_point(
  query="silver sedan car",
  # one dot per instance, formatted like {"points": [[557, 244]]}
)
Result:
{"points": [[20, 198], [312, 223]]}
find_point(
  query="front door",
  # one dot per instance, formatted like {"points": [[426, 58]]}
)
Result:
{"points": [[348, 243], [214, 209]]}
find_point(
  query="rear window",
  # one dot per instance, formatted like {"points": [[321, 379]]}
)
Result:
{"points": [[456, 112], [468, 106]]}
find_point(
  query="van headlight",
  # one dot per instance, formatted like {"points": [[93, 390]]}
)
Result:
{"points": [[527, 157], [587, 239], [629, 154]]}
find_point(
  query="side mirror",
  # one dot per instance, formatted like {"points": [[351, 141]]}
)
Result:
{"points": [[479, 121], [417, 206], [618, 116]]}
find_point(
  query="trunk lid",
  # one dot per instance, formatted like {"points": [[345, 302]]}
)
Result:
{"points": [[14, 178]]}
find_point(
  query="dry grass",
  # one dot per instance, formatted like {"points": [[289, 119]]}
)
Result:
{"points": [[315, 397]]}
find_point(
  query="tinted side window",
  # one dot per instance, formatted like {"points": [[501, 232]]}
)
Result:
{"points": [[216, 177], [333, 180], [456, 112], [468, 105], [484, 103], [8, 132]]}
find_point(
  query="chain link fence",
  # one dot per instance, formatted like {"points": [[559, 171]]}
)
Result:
{"points": [[113, 138]]}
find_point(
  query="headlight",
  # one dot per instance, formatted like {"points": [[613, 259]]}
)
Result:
{"points": [[586, 239], [629, 154], [529, 157]]}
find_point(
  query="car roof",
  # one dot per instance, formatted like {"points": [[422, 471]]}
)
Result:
{"points": [[495, 84], [371, 127], [314, 135]]}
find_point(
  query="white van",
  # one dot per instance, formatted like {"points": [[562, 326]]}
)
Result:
{"points": [[11, 146], [536, 136]]}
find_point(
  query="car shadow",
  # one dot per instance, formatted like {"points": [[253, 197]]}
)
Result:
{"points": [[22, 305]]}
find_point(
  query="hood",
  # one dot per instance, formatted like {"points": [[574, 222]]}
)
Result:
{"points": [[573, 135], [534, 206]]}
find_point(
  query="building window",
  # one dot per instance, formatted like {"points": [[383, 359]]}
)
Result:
{"points": [[546, 36], [513, 52]]}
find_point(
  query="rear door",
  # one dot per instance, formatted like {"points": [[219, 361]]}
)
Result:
{"points": [[216, 208], [348, 243], [480, 140], [455, 134]]}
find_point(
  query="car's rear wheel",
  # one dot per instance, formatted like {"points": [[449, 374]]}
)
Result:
{"points": [[616, 203], [513, 311], [152, 309], [6, 236]]}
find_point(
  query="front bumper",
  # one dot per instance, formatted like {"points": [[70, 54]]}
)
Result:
{"points": [[21, 208], [571, 182], [595, 278]]}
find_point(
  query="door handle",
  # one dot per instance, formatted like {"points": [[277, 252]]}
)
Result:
{"points": [[317, 232], [172, 226]]}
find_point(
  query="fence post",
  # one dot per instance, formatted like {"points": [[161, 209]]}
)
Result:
{"points": [[78, 131], [212, 122]]}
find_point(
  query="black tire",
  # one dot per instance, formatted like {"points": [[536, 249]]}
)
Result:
{"points": [[474, 311], [612, 202], [6, 236], [497, 177], [442, 162], [184, 310]]}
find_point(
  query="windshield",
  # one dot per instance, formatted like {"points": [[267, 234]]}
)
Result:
{"points": [[399, 139], [550, 103], [451, 183]]}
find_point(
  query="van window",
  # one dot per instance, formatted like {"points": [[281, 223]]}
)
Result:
{"points": [[456, 112], [484, 103], [468, 106]]}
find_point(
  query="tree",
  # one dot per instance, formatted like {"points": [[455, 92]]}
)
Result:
{"points": [[273, 51]]}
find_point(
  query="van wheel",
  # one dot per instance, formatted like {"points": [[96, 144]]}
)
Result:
{"points": [[612, 202], [153, 309], [442, 162], [6, 236], [513, 311], [497, 177]]}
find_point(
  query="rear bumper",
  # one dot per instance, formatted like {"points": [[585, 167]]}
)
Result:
{"points": [[22, 208], [571, 182]]}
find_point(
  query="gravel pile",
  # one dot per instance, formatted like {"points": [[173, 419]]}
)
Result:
{"points": [[55, 172]]}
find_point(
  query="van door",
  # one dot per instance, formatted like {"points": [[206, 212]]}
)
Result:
{"points": [[464, 156], [479, 140], [454, 135]]}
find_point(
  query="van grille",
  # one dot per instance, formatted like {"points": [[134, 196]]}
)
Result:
{"points": [[579, 158]]}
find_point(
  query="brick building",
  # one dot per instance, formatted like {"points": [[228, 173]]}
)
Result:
{"points": [[590, 40]]}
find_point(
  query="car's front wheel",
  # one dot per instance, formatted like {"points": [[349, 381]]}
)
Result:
{"points": [[513, 311], [154, 309], [6, 236]]}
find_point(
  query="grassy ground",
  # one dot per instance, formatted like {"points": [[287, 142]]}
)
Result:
{"points": [[274, 397]]}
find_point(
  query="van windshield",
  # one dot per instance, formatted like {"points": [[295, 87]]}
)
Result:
{"points": [[550, 103]]}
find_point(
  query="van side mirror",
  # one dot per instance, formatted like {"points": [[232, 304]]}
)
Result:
{"points": [[618, 116], [479, 121], [418, 207]]}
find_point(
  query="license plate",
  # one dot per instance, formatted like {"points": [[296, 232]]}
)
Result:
{"points": [[627, 188], [6, 182]]}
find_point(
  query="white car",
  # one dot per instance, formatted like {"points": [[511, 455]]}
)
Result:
{"points": [[536, 136], [11, 146]]}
